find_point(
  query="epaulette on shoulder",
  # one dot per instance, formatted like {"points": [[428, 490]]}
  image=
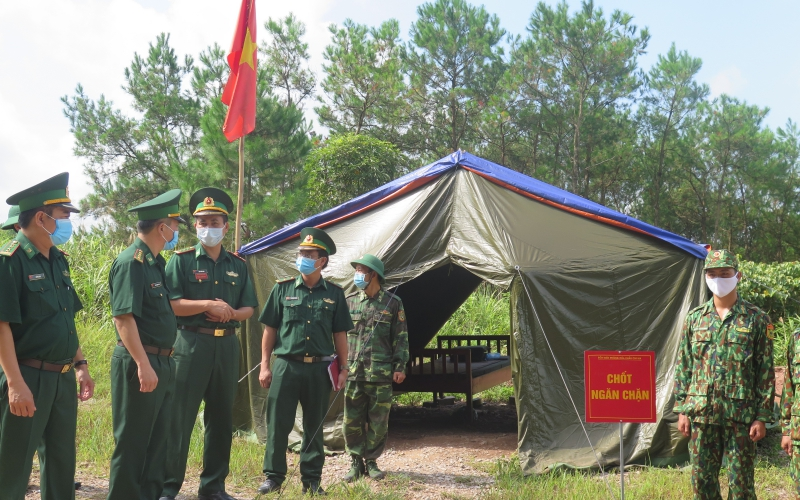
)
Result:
{"points": [[334, 284], [9, 248], [63, 252], [352, 294], [696, 309], [284, 280], [185, 250], [138, 255], [235, 254]]}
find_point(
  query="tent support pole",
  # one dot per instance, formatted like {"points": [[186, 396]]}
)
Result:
{"points": [[621, 464]]}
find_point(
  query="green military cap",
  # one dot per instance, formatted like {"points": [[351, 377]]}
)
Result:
{"points": [[312, 237], [54, 192], [721, 258], [371, 262], [13, 218], [161, 207], [210, 201]]}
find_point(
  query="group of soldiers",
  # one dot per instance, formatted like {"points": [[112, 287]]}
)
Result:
{"points": [[176, 348]]}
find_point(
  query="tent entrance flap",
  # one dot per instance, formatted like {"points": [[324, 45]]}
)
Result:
{"points": [[432, 297]]}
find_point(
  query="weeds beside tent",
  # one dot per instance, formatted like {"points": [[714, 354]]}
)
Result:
{"points": [[594, 278]]}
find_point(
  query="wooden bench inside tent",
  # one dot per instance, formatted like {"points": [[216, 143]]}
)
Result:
{"points": [[449, 367]]}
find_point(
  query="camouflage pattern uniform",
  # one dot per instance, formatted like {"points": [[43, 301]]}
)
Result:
{"points": [[723, 383], [790, 406], [376, 348]]}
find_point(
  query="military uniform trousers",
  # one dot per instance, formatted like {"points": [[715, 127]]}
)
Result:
{"points": [[707, 445], [206, 369], [794, 467], [51, 430], [366, 417], [141, 427], [308, 384]]}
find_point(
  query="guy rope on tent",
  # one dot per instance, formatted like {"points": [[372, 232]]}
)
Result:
{"points": [[566, 387]]}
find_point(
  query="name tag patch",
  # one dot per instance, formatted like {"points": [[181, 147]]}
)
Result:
{"points": [[35, 277], [157, 284], [291, 298], [200, 275]]}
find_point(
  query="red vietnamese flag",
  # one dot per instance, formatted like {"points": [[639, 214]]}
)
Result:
{"points": [[240, 91]]}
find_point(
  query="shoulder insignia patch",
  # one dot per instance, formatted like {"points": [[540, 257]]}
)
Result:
{"points": [[9, 248], [138, 255], [238, 256], [284, 280], [185, 250], [771, 331], [401, 316], [352, 295], [63, 252]]}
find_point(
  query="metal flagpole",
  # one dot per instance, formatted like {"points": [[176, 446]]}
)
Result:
{"points": [[240, 197], [621, 464]]}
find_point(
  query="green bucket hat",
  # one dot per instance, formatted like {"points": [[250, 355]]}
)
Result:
{"points": [[312, 238], [13, 218], [371, 262], [721, 258], [161, 207]]}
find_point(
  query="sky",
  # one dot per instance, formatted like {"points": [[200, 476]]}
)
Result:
{"points": [[749, 50]]}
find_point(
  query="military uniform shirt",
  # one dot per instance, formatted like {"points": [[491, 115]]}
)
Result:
{"points": [[790, 398], [38, 301], [306, 318], [138, 285], [377, 346], [193, 275], [724, 371]]}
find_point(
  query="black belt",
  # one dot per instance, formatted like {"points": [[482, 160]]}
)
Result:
{"points": [[149, 349], [307, 359], [44, 365], [209, 331]]}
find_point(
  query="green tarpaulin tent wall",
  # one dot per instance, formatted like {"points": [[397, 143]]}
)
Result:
{"points": [[597, 279]]}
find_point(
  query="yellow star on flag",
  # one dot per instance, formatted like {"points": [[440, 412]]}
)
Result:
{"points": [[248, 49]]}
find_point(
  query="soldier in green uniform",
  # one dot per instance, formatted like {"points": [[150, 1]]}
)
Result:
{"points": [[211, 293], [39, 347], [378, 351], [12, 223], [304, 318], [142, 369], [724, 382], [790, 409]]}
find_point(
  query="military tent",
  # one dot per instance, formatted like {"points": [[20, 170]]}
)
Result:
{"points": [[581, 277]]}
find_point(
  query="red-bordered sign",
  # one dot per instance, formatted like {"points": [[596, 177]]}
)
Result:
{"points": [[620, 386]]}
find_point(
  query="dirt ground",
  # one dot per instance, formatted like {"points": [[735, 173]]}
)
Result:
{"points": [[430, 452]]}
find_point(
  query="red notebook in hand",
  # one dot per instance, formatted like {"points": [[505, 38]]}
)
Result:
{"points": [[333, 373]]}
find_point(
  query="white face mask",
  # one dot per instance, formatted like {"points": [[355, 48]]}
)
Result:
{"points": [[721, 287], [210, 236]]}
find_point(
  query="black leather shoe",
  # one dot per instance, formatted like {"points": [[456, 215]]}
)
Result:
{"points": [[313, 489], [219, 495], [269, 486]]}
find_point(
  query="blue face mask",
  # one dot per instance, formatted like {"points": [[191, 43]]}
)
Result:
{"points": [[62, 233], [305, 265], [169, 245], [359, 280]]}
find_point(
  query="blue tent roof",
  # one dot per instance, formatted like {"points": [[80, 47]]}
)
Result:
{"points": [[491, 171]]}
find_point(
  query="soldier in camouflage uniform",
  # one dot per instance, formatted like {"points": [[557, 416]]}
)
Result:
{"points": [[377, 355], [790, 409], [724, 383]]}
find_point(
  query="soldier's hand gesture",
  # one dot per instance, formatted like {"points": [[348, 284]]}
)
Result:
{"points": [[786, 444], [265, 377], [148, 380], [20, 399]]}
